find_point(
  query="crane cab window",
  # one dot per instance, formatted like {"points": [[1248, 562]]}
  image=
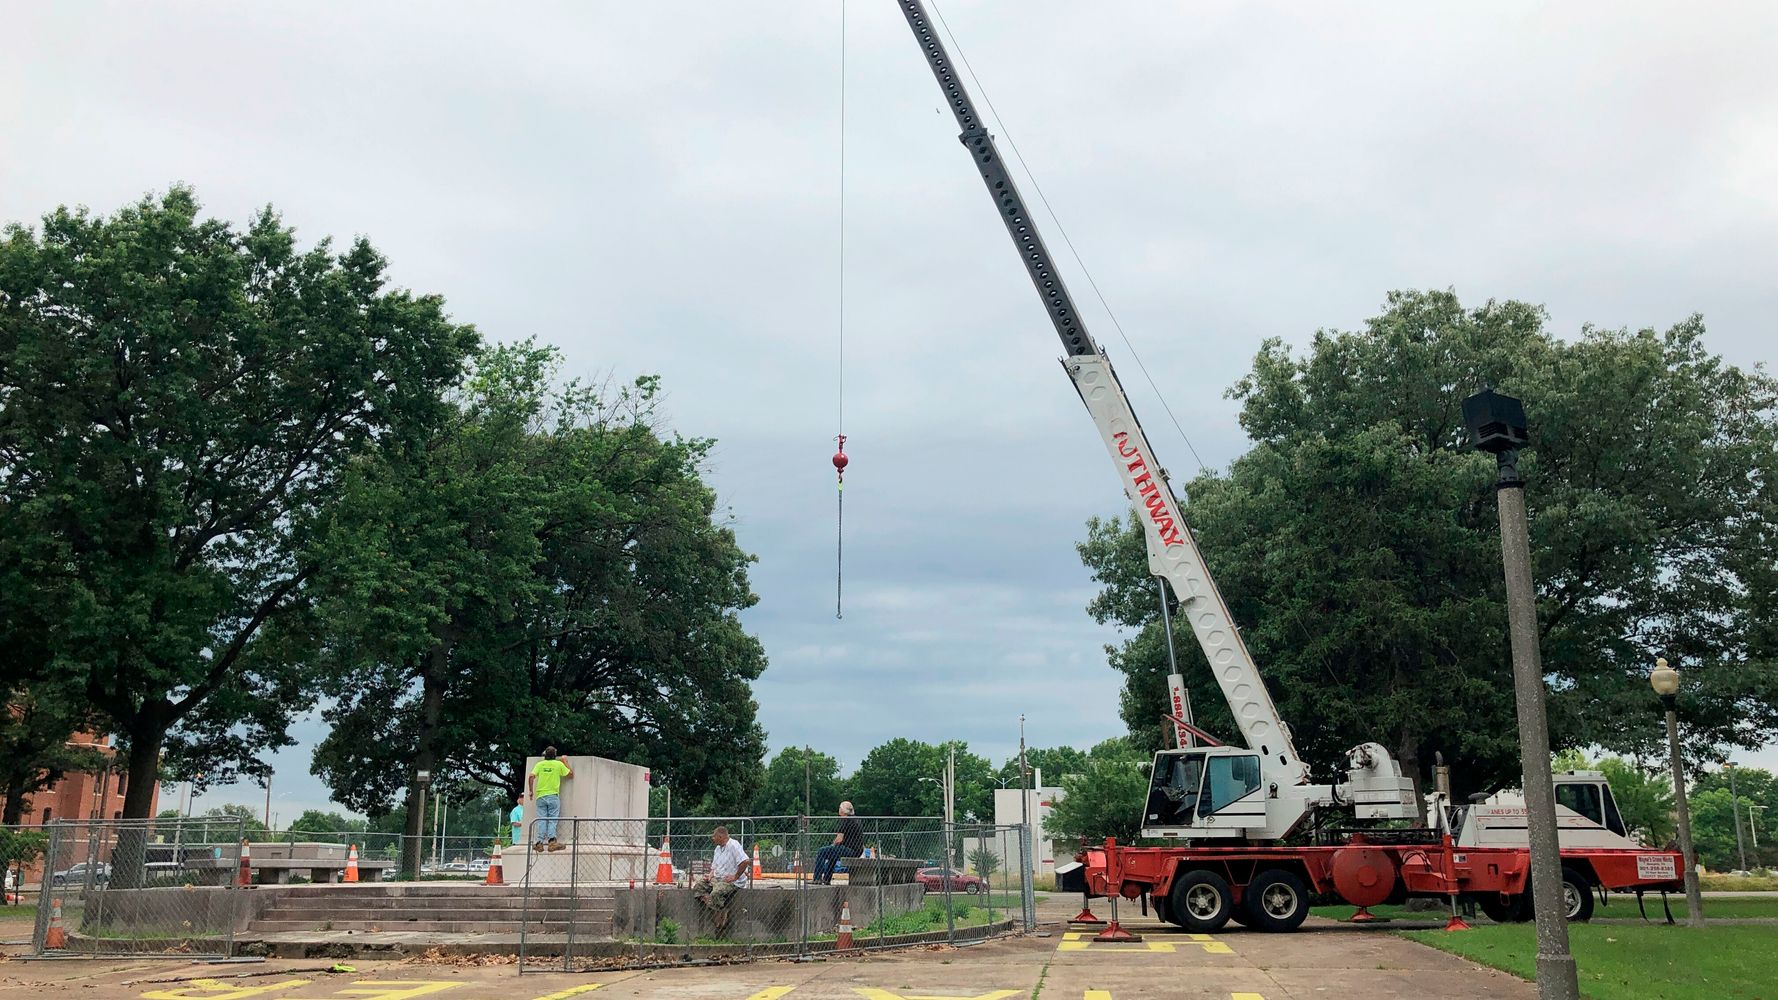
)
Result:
{"points": [[1173, 791], [1583, 799], [1227, 780]]}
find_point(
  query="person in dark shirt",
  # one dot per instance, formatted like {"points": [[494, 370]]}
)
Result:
{"points": [[847, 843]]}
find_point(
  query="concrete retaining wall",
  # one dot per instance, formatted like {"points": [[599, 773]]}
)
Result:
{"points": [[758, 915]]}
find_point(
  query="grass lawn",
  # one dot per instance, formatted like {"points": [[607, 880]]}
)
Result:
{"points": [[1635, 961], [22, 914]]}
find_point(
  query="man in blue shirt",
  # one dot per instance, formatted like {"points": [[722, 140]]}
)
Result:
{"points": [[515, 822]]}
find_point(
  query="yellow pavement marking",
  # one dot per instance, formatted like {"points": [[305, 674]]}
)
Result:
{"points": [[216, 989], [874, 994], [1083, 941], [1245, 996], [390, 989], [587, 988], [870, 993], [1214, 947], [769, 993]]}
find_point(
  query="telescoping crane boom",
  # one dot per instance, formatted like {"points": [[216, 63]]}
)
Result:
{"points": [[1258, 792]]}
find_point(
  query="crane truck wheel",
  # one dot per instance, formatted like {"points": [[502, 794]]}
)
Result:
{"points": [[1200, 901], [1276, 901], [1577, 896], [1501, 909]]}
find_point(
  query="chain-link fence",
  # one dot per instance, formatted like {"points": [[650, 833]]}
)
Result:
{"points": [[605, 892], [139, 887]]}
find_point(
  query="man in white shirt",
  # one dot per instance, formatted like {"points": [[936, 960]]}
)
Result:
{"points": [[730, 869]]}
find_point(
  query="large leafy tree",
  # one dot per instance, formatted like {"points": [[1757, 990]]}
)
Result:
{"points": [[902, 778], [793, 769], [549, 569], [1054, 762], [179, 400], [1357, 542], [1104, 798]]}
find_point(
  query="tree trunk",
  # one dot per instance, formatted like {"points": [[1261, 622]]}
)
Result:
{"points": [[15, 806], [432, 685], [129, 842]]}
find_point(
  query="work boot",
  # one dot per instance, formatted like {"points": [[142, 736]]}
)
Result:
{"points": [[537, 846], [555, 846]]}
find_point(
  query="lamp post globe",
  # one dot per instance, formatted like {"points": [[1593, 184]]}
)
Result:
{"points": [[1664, 679]]}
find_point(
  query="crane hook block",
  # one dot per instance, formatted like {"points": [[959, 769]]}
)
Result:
{"points": [[839, 458]]}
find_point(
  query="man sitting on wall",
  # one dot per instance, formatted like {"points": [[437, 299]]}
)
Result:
{"points": [[847, 843], [730, 869]]}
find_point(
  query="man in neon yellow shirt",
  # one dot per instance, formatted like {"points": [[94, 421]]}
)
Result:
{"points": [[546, 780]]}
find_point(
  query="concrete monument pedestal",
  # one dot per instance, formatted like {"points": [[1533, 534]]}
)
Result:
{"points": [[603, 829]]}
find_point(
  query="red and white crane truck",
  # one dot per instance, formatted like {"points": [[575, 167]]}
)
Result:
{"points": [[1223, 813]]}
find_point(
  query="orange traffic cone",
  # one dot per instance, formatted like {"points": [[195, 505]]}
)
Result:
{"points": [[663, 872], [758, 872], [55, 937], [246, 874], [495, 875], [844, 940], [352, 864]]}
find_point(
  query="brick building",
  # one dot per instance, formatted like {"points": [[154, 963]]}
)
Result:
{"points": [[81, 796]]}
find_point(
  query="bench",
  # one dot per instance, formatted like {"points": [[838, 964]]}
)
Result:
{"points": [[882, 871]]}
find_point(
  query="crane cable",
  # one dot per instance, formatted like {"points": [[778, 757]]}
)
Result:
{"points": [[839, 456]]}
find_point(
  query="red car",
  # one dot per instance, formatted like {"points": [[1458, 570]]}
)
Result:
{"points": [[934, 880]]}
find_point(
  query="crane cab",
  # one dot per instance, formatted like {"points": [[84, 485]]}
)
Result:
{"points": [[1206, 792]]}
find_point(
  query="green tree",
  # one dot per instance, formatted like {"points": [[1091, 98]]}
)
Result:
{"points": [[19, 848], [903, 778], [781, 793], [35, 723], [984, 861], [1756, 796], [1054, 762], [178, 402], [1644, 798], [315, 821], [1104, 799], [550, 569], [1357, 542]]}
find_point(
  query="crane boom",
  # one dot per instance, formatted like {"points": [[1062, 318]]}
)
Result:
{"points": [[1173, 552]]}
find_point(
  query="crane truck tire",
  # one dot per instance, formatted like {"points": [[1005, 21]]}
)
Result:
{"points": [[1276, 900], [1577, 895], [1200, 901], [1501, 909]]}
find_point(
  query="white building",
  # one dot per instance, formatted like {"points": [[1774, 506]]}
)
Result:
{"points": [[1038, 805]]}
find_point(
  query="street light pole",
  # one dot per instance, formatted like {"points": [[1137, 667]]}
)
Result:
{"points": [[1665, 681], [1735, 811], [1024, 805], [1498, 425]]}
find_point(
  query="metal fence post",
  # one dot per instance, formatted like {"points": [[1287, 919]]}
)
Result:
{"points": [[1027, 895], [950, 910]]}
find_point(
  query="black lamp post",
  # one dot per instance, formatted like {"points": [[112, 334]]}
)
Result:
{"points": [[1665, 681], [1497, 425]]}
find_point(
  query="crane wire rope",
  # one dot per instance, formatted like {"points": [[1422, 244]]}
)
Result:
{"points": [[1057, 219], [839, 456]]}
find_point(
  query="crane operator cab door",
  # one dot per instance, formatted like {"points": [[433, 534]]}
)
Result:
{"points": [[1204, 792]]}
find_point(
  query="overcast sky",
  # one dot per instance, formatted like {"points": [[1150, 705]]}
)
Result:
{"points": [[655, 188]]}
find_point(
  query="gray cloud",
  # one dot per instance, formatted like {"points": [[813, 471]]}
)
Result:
{"points": [[654, 186]]}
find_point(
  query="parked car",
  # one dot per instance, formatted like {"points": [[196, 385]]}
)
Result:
{"points": [[934, 880], [77, 875]]}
